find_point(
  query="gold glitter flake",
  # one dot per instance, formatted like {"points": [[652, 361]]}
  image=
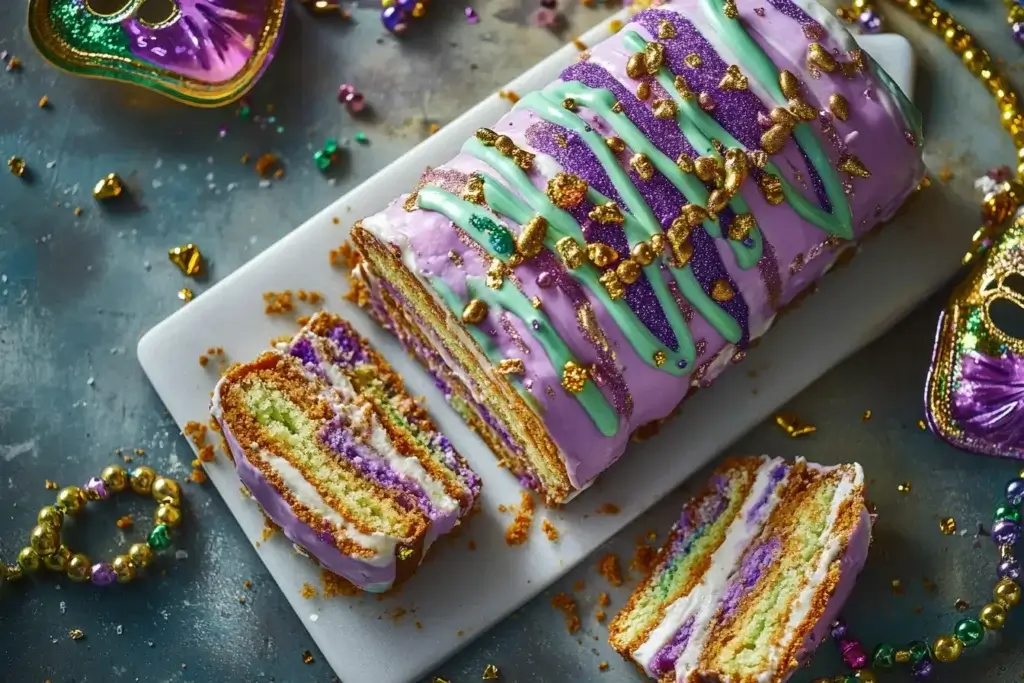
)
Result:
{"points": [[636, 65], [455, 258], [474, 190], [601, 254], [729, 9], [741, 227], [405, 553], [643, 90], [628, 271], [921, 425], [307, 657], [642, 253], [733, 79], [531, 240], [775, 138], [590, 327], [947, 525], [685, 163], [793, 426], [574, 377], [76, 634], [490, 673], [683, 88], [17, 167], [897, 587], [185, 294], [410, 204], [666, 30], [511, 366], [693, 60], [706, 168], [654, 57], [866, 416], [188, 258], [108, 187], [722, 291], [717, 200], [615, 144], [905, 487], [820, 58], [771, 188], [665, 109], [535, 301], [571, 253], [611, 282], [617, 108], [496, 272], [789, 84], [567, 190], [851, 165], [486, 136], [474, 312], [757, 158], [839, 106], [660, 358], [642, 165], [802, 110], [606, 213], [569, 103]]}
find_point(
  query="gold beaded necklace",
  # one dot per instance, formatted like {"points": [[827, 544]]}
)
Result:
{"points": [[45, 549]]}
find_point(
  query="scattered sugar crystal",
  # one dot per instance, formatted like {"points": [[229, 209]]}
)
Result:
{"points": [[63, 607]]}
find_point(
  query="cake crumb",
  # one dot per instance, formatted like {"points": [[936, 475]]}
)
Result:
{"points": [[418, 625], [196, 431], [247, 585], [608, 509], [333, 585], [565, 603], [509, 95], [343, 256], [51, 485], [203, 361], [460, 633], [603, 600], [308, 591], [206, 453], [198, 476], [644, 558], [398, 613], [579, 585], [471, 545], [519, 530], [125, 522], [302, 320], [278, 302], [603, 666], [600, 616], [610, 569], [269, 528], [502, 508], [945, 174], [579, 44], [549, 530]]}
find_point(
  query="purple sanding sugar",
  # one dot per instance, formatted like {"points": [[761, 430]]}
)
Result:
{"points": [[665, 660], [789, 8], [753, 566], [349, 350]]}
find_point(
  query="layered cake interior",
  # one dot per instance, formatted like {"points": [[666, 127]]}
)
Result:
{"points": [[752, 575], [325, 437]]}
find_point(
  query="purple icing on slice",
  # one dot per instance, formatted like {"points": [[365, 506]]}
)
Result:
{"points": [[302, 349], [988, 402], [757, 559], [665, 660], [349, 350]]}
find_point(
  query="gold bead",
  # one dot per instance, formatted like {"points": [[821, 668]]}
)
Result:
{"points": [[114, 478], [866, 676], [167, 491], [124, 569], [72, 499], [58, 561], [947, 649], [1007, 593], [142, 480], [44, 540], [167, 515], [642, 253], [29, 560], [140, 554], [50, 516], [992, 616], [78, 567]]}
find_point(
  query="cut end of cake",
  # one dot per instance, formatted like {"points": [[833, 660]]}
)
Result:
{"points": [[325, 437], [752, 575]]}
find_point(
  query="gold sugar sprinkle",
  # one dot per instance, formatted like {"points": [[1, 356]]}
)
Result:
{"points": [[722, 290], [729, 9], [535, 301], [474, 312], [490, 673], [733, 79], [615, 25], [612, 284], [574, 377], [76, 634], [643, 90], [947, 525], [850, 164], [569, 103], [188, 258], [693, 60], [666, 30], [793, 426], [455, 258], [531, 240], [185, 294], [570, 251], [17, 166], [405, 553], [866, 416], [606, 213], [665, 109], [660, 358], [642, 165], [839, 107], [922, 425], [615, 144], [601, 254], [511, 366], [567, 190], [51, 485], [496, 274], [904, 487], [44, 102], [307, 657], [897, 587], [819, 57]]}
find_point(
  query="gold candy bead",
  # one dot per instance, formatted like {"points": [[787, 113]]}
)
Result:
{"points": [[166, 491], [168, 515], [44, 539], [866, 676], [142, 480], [992, 616], [78, 567], [29, 560], [642, 253], [50, 516], [58, 561], [124, 569], [71, 499], [947, 649], [140, 554], [114, 478], [1007, 593]]}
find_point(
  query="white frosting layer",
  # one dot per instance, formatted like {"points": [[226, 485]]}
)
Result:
{"points": [[702, 602]]}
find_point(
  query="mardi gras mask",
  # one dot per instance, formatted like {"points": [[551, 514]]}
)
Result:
{"points": [[203, 52], [974, 397]]}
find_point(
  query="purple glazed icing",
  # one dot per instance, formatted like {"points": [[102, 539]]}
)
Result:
{"points": [[665, 660]]}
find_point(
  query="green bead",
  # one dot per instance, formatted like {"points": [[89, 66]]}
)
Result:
{"points": [[331, 146], [244, 111], [970, 631], [918, 651], [1006, 511], [361, 138], [322, 160], [159, 538], [884, 656]]}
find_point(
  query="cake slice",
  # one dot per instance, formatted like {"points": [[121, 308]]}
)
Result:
{"points": [[325, 437], [752, 575]]}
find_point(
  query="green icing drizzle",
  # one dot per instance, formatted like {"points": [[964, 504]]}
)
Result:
{"points": [[469, 217], [839, 222], [498, 236]]}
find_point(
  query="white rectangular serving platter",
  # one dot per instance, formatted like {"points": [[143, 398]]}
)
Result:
{"points": [[459, 593]]}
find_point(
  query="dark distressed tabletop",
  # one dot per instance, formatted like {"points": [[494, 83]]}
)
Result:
{"points": [[77, 291]]}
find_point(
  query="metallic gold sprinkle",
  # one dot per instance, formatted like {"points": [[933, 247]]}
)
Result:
{"points": [[654, 57], [601, 254], [802, 110], [617, 107], [774, 139], [838, 105], [685, 163], [693, 60], [793, 426], [574, 377], [505, 145], [783, 117], [729, 9], [666, 30], [612, 283], [474, 312], [486, 136], [474, 190], [569, 103], [17, 166], [490, 673], [722, 290], [897, 587], [76, 634], [567, 190], [628, 271], [44, 102], [905, 487], [660, 358], [643, 90], [789, 84], [771, 188], [108, 187], [706, 168], [866, 416], [848, 163], [531, 240], [683, 88], [185, 294], [615, 144], [819, 57], [947, 525], [642, 165], [758, 158], [455, 258], [718, 200], [188, 258], [692, 215], [410, 204], [636, 65], [921, 425], [736, 169], [658, 243], [588, 324], [642, 253], [741, 227], [496, 274], [307, 657], [535, 301], [572, 254], [615, 25], [707, 103], [733, 79], [665, 109]]}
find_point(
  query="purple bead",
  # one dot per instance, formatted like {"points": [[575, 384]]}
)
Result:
{"points": [[102, 574], [355, 102], [471, 16], [344, 90], [838, 629], [853, 654], [545, 279], [96, 486], [394, 19], [1005, 532], [870, 21], [1009, 569], [1015, 489], [406, 5], [1018, 31], [923, 669]]}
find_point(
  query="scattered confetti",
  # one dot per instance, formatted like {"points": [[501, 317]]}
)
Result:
{"points": [[52, 485], [471, 16], [108, 187], [904, 487], [185, 294], [866, 416], [307, 657], [922, 425], [361, 138], [188, 258], [17, 166], [490, 673], [947, 525], [76, 634], [793, 426]]}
